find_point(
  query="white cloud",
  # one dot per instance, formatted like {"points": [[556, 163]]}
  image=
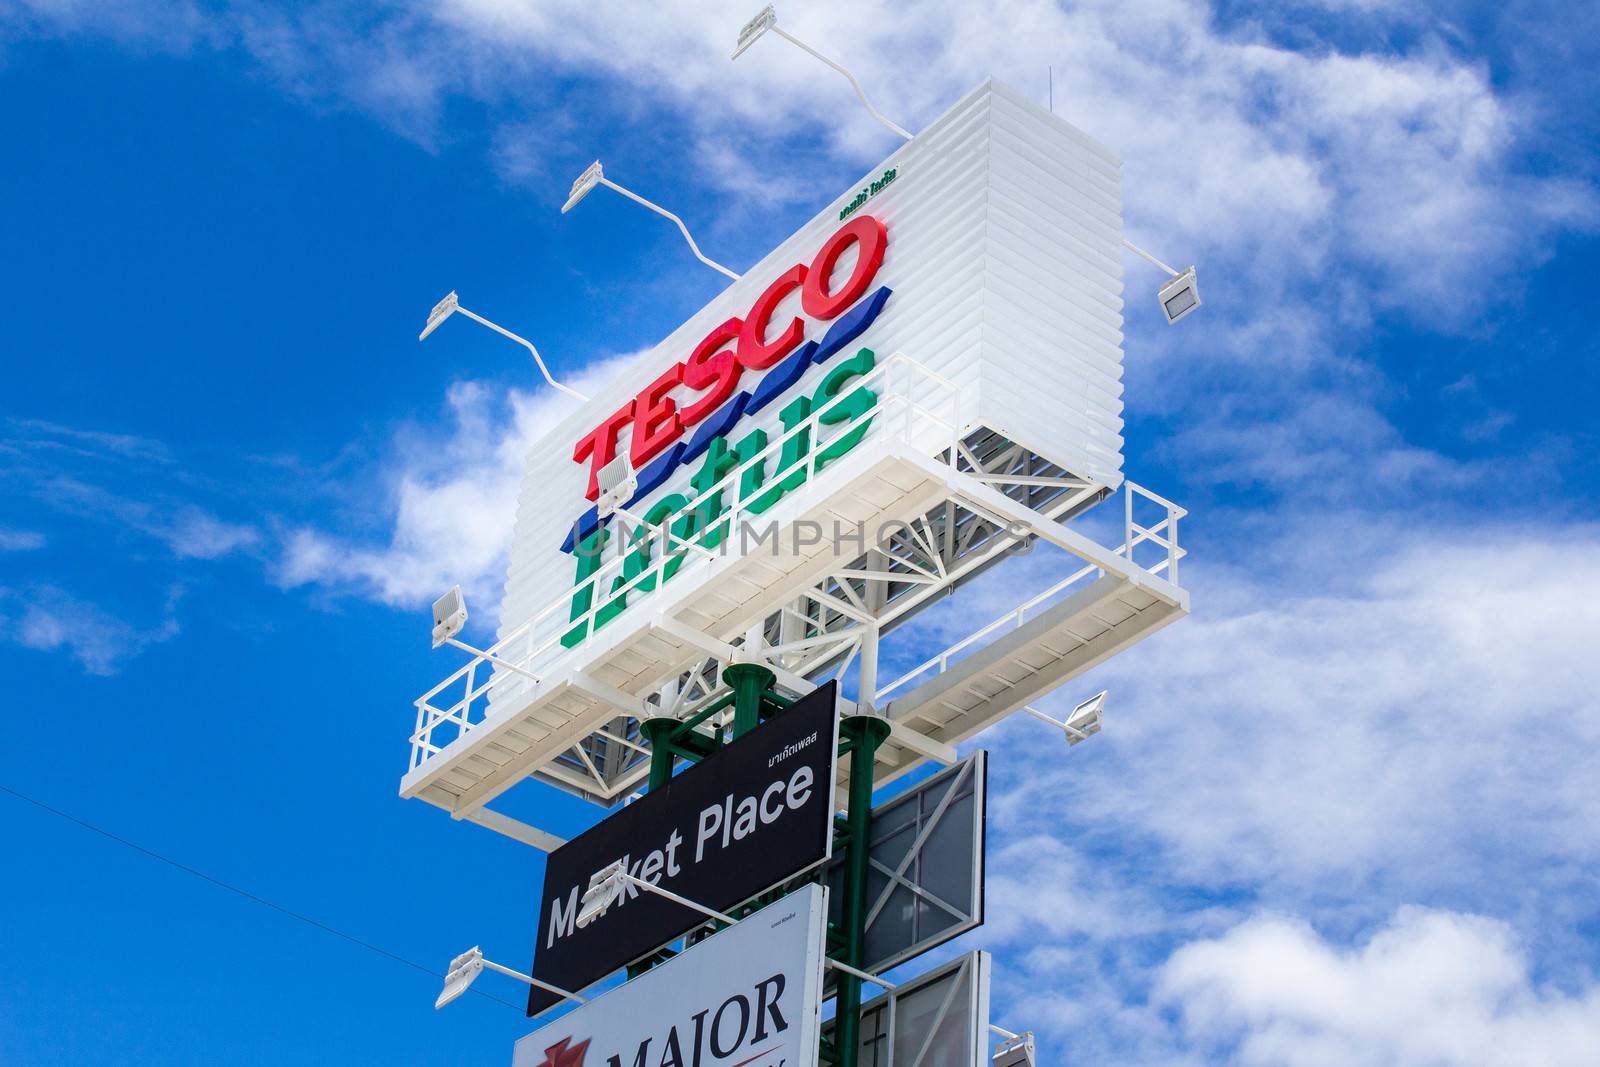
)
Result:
{"points": [[1357, 719], [53, 439], [193, 533], [20, 540], [1316, 187], [1279, 161], [1431, 989], [50, 619], [169, 25], [451, 501], [69, 469], [1272, 160], [1389, 695], [188, 530]]}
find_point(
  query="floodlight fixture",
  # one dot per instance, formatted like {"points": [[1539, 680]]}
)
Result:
{"points": [[752, 30], [1085, 720], [585, 182], [441, 311], [605, 889], [1180, 294], [618, 482], [768, 20], [1015, 1052], [1082, 724], [465, 968], [450, 304], [609, 883], [596, 175], [449, 616]]}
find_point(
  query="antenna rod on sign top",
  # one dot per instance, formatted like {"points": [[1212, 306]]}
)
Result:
{"points": [[768, 20], [450, 305], [595, 175]]}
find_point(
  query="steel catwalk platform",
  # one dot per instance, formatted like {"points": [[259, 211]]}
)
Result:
{"points": [[958, 499]]}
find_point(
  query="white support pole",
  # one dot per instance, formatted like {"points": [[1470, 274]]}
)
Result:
{"points": [[861, 93], [1042, 717], [755, 641], [867, 671], [863, 975], [525, 343], [659, 210], [1130, 246], [530, 980], [516, 829], [789, 625], [924, 745], [709, 913], [492, 658]]}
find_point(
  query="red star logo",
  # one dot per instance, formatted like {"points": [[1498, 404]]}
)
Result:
{"points": [[559, 1055]]}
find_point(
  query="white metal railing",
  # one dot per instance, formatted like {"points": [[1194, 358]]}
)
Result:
{"points": [[903, 385], [1163, 534]]}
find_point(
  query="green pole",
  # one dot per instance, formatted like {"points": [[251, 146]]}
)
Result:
{"points": [[748, 681], [865, 733], [658, 732]]}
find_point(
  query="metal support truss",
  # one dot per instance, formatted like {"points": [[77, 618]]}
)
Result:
{"points": [[837, 626], [994, 498]]}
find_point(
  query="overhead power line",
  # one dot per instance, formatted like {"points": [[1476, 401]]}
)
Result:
{"points": [[245, 893]]}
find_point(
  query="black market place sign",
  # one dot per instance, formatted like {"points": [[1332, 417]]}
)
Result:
{"points": [[660, 441], [745, 819], [744, 997]]}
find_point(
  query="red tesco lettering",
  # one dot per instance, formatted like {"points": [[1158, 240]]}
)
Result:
{"points": [[714, 367]]}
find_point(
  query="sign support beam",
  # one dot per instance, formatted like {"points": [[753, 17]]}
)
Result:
{"points": [[860, 736], [864, 733], [658, 732], [750, 682]]}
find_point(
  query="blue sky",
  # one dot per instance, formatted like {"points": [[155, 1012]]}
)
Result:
{"points": [[1346, 813]]}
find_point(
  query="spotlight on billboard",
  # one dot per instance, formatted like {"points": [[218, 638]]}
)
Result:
{"points": [[752, 30], [605, 886], [441, 311], [464, 970], [618, 482], [580, 188], [449, 616], [1084, 722], [1180, 296], [1017, 1052]]}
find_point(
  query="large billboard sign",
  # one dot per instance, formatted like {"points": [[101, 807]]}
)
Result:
{"points": [[986, 250], [746, 818], [925, 866], [938, 1019], [748, 996]]}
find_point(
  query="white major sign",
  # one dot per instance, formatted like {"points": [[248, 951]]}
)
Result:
{"points": [[749, 995]]}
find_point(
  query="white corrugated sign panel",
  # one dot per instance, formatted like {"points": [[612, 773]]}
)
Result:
{"points": [[1003, 258], [750, 993]]}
